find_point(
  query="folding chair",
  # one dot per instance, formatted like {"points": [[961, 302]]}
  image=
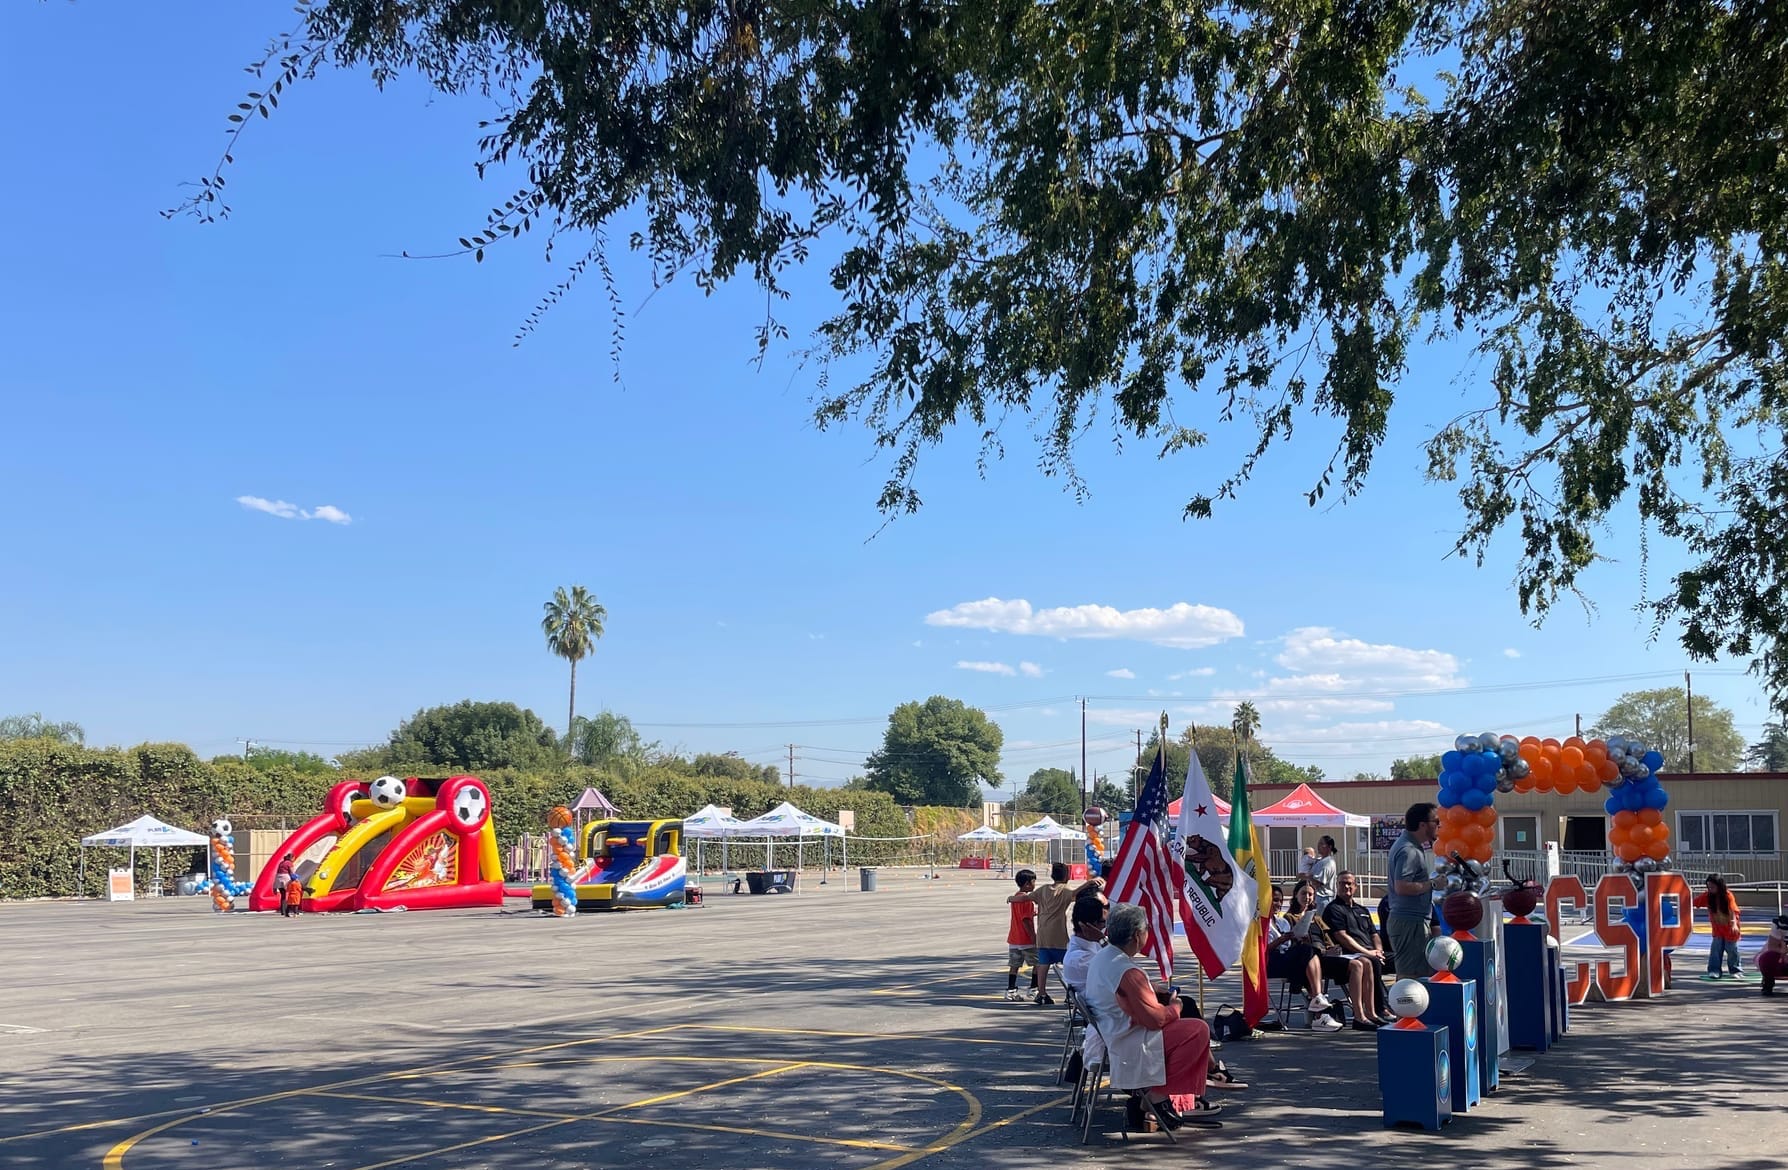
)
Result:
{"points": [[1090, 1103], [1076, 1030]]}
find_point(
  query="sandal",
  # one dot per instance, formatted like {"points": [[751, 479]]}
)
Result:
{"points": [[1221, 1077], [1202, 1113]]}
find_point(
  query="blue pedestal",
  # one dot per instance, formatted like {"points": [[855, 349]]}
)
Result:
{"points": [[1530, 990], [1453, 1009], [1479, 967], [1415, 1076]]}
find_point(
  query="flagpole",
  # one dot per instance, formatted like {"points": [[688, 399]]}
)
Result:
{"points": [[1192, 746]]}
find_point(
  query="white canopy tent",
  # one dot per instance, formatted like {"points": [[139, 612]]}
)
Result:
{"points": [[1044, 830], [985, 833], [145, 832], [711, 822], [785, 820]]}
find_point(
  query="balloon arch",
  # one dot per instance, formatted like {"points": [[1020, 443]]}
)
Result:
{"points": [[1480, 766]]}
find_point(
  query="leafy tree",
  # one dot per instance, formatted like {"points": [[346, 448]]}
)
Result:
{"points": [[266, 759], [1113, 798], [935, 752], [732, 765], [1769, 754], [1029, 207], [572, 625], [1661, 718], [1247, 720], [473, 736], [609, 741], [1054, 791], [1416, 768], [35, 726]]}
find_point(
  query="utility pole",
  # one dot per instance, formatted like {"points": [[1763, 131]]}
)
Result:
{"points": [[248, 747], [1688, 687], [791, 765], [1083, 755], [1579, 726], [1137, 768]]}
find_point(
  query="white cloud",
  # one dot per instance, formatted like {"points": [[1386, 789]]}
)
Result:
{"points": [[326, 512], [1511, 652], [1319, 652], [986, 667], [1121, 672], [1195, 672], [1181, 625], [1030, 670]]}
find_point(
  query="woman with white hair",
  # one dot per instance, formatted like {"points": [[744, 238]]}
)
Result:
{"points": [[1150, 1046]]}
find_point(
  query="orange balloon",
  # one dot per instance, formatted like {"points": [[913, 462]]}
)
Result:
{"points": [[1630, 852], [1606, 769], [1626, 818], [1661, 831], [1484, 851], [1617, 836], [1564, 781], [1575, 741], [1530, 741], [1531, 752], [1651, 816], [1658, 850], [1571, 755], [1462, 816], [1485, 816], [1595, 751]]}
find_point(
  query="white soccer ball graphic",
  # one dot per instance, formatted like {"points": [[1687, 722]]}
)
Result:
{"points": [[388, 791], [221, 827], [469, 807], [1407, 998], [1445, 954]]}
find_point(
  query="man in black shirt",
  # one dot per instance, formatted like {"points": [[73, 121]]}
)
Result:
{"points": [[1350, 925]]}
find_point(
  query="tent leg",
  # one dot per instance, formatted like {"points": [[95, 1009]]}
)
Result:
{"points": [[81, 880]]}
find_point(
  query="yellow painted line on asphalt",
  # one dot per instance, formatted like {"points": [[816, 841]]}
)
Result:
{"points": [[956, 1139], [432, 1104], [780, 1135], [872, 1035], [502, 1137]]}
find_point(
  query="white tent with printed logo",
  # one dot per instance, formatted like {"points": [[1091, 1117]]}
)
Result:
{"points": [[785, 820], [146, 833]]}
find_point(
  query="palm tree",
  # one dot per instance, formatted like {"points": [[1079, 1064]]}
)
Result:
{"points": [[572, 624], [1247, 721]]}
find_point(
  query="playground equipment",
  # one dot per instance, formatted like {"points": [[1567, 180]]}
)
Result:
{"points": [[414, 843], [625, 865]]}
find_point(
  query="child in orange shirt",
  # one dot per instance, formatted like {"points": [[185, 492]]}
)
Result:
{"points": [[1021, 934], [294, 898], [1722, 921]]}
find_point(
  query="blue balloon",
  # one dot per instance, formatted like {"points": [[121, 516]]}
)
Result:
{"points": [[1449, 761], [1474, 799], [1632, 797], [1448, 797], [1657, 798], [1453, 779], [1654, 759], [1612, 805], [1487, 782]]}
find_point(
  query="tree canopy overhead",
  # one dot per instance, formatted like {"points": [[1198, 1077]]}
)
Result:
{"points": [[1167, 213]]}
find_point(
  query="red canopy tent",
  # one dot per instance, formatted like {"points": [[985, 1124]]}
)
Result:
{"points": [[1301, 806], [1173, 810]]}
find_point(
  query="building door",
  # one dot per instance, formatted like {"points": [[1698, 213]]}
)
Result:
{"points": [[1584, 834], [1520, 834]]}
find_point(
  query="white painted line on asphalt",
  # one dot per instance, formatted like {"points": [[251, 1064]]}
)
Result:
{"points": [[19, 1029]]}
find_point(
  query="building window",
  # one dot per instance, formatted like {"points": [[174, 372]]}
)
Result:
{"points": [[1741, 833]]}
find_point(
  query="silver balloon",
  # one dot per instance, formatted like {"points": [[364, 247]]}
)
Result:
{"points": [[1521, 768], [1509, 749], [1455, 883], [1505, 783], [1635, 747], [1464, 743], [1489, 741], [1645, 865], [1668, 862], [1617, 745]]}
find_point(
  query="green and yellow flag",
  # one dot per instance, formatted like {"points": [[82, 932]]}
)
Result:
{"points": [[1253, 875]]}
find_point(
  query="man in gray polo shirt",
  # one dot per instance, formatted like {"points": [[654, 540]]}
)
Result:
{"points": [[1409, 904]]}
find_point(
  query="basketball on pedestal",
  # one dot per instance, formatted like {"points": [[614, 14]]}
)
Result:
{"points": [[1462, 910]]}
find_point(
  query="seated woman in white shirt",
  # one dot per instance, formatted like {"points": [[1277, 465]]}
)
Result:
{"points": [[1292, 955], [1150, 1046], [1087, 923], [1355, 971]]}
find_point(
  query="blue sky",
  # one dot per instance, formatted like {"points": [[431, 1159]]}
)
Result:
{"points": [[159, 372]]}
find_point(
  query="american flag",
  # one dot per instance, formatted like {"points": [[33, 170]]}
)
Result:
{"points": [[1147, 872]]}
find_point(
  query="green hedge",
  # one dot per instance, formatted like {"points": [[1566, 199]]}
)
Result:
{"points": [[56, 794]]}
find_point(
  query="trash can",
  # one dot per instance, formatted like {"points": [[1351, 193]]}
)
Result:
{"points": [[866, 880]]}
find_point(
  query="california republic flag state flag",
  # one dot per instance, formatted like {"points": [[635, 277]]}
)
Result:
{"points": [[1219, 907]]}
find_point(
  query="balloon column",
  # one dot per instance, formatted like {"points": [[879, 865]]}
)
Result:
{"points": [[1095, 848], [221, 882], [1480, 766], [563, 839]]}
